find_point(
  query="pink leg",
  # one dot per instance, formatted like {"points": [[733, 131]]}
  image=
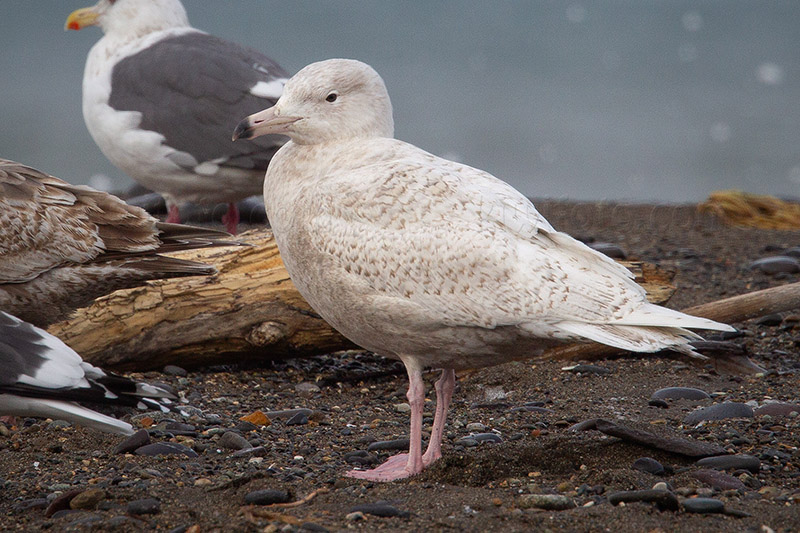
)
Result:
{"points": [[231, 218], [405, 464], [173, 215], [444, 392]]}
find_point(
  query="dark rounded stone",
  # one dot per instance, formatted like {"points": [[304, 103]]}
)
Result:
{"points": [[380, 509], [287, 413], [650, 465], [778, 409], [165, 448], [732, 462], [257, 451], [718, 480], [794, 251], [664, 499], [703, 505], [233, 441], [679, 393], [61, 502], [487, 437], [774, 319], [266, 497], [719, 411], [776, 264], [389, 445], [611, 250], [144, 506], [173, 370], [661, 404]]}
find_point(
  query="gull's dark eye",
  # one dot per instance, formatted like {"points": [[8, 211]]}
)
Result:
{"points": [[331, 97]]}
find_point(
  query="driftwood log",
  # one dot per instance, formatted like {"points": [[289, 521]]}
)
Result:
{"points": [[249, 311]]}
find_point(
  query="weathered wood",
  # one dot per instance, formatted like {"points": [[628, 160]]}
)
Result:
{"points": [[249, 311]]}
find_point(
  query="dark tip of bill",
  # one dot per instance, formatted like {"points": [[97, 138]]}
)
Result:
{"points": [[242, 130]]}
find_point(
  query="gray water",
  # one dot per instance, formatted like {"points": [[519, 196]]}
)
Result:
{"points": [[603, 100]]}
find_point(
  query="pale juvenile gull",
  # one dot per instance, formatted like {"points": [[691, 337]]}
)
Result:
{"points": [[160, 99], [430, 261], [43, 377], [62, 245]]}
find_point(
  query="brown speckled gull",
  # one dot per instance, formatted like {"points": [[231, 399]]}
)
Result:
{"points": [[429, 261], [62, 245]]}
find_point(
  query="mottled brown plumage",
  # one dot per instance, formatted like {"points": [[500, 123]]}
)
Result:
{"points": [[62, 245]]}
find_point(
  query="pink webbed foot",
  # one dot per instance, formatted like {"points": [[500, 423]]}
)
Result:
{"points": [[231, 218], [173, 215], [396, 467], [9, 421]]}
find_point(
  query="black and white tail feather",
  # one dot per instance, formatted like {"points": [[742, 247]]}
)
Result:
{"points": [[43, 377]]}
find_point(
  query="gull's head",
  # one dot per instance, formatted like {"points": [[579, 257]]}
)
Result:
{"points": [[129, 17], [326, 102]]}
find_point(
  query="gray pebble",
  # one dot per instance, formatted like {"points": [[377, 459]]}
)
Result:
{"points": [[266, 497], [233, 441], [165, 448], [137, 440], [144, 506], [307, 388], [476, 427], [732, 462], [487, 437], [703, 505], [257, 451], [389, 445], [664, 499], [173, 370], [550, 502], [718, 480], [287, 413], [650, 465], [679, 393], [778, 409], [719, 411], [774, 319], [776, 264]]}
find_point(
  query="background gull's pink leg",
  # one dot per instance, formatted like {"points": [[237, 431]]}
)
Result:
{"points": [[231, 218], [173, 215]]}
